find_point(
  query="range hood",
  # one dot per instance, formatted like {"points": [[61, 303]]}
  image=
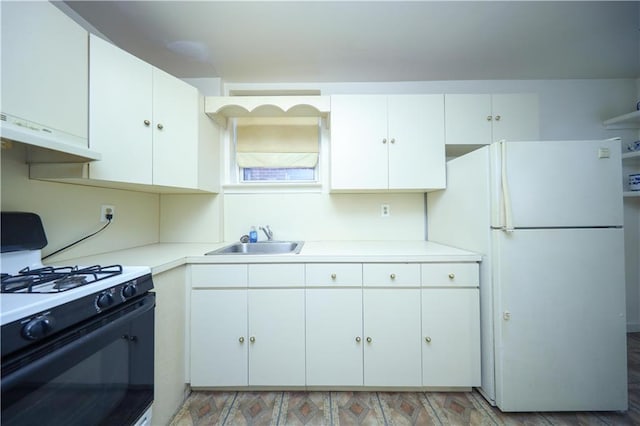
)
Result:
{"points": [[45, 144]]}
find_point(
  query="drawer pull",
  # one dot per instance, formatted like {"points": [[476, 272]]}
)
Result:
{"points": [[452, 276], [241, 339], [333, 276], [392, 276], [427, 339]]}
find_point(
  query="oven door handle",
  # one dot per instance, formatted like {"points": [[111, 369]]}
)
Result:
{"points": [[83, 345]]}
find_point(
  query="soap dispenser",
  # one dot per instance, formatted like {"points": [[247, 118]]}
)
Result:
{"points": [[253, 235]]}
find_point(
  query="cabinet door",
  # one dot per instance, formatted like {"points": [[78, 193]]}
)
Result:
{"points": [[518, 117], [359, 142], [120, 91], [44, 67], [468, 119], [175, 131], [451, 337], [392, 353], [219, 338], [276, 337], [334, 337], [416, 142]]}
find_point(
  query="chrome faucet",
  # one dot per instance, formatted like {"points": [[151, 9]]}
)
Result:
{"points": [[268, 232]]}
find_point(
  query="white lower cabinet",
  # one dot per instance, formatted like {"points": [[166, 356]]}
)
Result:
{"points": [[276, 337], [451, 337], [242, 336], [353, 325], [334, 337], [219, 342], [391, 337]]}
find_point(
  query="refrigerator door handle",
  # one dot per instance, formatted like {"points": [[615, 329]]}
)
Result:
{"points": [[506, 199]]}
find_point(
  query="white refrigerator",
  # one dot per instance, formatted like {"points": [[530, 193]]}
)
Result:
{"points": [[547, 217]]}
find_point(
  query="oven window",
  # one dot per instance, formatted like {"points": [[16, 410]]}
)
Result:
{"points": [[106, 380]]}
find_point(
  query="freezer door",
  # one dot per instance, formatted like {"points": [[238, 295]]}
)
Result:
{"points": [[557, 183], [560, 320]]}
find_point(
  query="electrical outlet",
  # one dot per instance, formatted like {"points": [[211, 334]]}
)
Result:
{"points": [[105, 210], [385, 210]]}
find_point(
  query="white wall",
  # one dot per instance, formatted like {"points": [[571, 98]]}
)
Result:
{"points": [[326, 216], [70, 212]]}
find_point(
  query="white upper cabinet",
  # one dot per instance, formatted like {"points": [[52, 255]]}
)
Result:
{"points": [[385, 143], [120, 113], [44, 69], [147, 124], [479, 119]]}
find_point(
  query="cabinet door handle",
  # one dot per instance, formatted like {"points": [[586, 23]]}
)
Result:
{"points": [[392, 276], [241, 339], [147, 123], [452, 276], [489, 118], [358, 339], [160, 126], [333, 276], [393, 140], [252, 339], [427, 339], [369, 339], [384, 140], [498, 118]]}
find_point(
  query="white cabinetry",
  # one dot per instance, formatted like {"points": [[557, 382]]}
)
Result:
{"points": [[334, 324], [354, 325], [391, 312], [450, 325], [146, 123], [246, 336], [219, 340], [142, 120], [391, 142], [480, 119], [44, 69]]}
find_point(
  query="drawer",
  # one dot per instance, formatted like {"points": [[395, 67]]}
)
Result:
{"points": [[276, 275], [334, 274], [450, 274], [204, 276], [391, 274]]}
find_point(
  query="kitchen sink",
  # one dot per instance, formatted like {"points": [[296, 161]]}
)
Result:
{"points": [[261, 247]]}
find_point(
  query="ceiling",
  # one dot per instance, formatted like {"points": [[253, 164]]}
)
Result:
{"points": [[365, 41]]}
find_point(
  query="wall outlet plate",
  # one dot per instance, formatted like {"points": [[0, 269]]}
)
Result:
{"points": [[107, 209], [385, 210]]}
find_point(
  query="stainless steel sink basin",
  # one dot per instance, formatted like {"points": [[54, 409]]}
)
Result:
{"points": [[261, 247]]}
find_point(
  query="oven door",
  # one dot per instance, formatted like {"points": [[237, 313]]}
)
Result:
{"points": [[101, 372]]}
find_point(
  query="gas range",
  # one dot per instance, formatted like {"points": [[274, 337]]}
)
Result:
{"points": [[37, 301], [80, 333]]}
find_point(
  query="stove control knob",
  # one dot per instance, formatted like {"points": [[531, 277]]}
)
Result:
{"points": [[104, 300], [129, 290], [37, 328]]}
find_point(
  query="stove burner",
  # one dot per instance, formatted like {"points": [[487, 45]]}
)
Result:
{"points": [[63, 278], [70, 281]]}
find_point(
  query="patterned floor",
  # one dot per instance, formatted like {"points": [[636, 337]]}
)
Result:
{"points": [[387, 408]]}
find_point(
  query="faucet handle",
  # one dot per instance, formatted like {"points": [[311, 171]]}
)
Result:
{"points": [[267, 231]]}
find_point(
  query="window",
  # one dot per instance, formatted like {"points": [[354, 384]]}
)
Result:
{"points": [[270, 149]]}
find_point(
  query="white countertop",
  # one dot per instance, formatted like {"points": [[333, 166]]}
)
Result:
{"points": [[164, 256]]}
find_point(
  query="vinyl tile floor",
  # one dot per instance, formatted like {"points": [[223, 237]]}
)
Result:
{"points": [[388, 408]]}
